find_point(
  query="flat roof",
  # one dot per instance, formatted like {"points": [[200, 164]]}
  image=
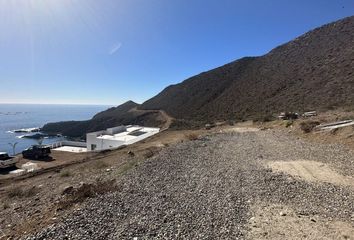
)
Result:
{"points": [[71, 149], [128, 135], [117, 137], [134, 128]]}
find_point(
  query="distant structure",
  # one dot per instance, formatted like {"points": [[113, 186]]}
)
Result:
{"points": [[309, 114], [118, 136]]}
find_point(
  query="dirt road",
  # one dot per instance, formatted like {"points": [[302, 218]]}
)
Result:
{"points": [[164, 117], [234, 185]]}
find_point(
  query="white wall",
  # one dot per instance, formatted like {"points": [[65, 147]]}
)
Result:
{"points": [[73, 144], [102, 144], [69, 143], [115, 130], [91, 138]]}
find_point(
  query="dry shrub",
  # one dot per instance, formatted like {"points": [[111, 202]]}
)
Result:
{"points": [[65, 173], [87, 190], [6, 205], [151, 151], [126, 167], [148, 153], [334, 131], [344, 118], [308, 126], [263, 118], [209, 126], [231, 122], [101, 165], [192, 136], [288, 123], [22, 193], [131, 153]]}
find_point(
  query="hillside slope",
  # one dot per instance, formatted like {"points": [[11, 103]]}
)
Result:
{"points": [[314, 71], [124, 114]]}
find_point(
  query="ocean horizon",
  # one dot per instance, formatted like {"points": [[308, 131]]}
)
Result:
{"points": [[23, 116]]}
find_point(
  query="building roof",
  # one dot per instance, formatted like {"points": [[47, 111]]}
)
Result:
{"points": [[131, 133], [133, 128], [117, 137]]}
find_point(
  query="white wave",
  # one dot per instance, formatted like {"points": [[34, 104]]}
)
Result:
{"points": [[26, 130]]}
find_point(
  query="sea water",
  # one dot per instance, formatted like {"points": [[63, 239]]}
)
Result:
{"points": [[24, 116]]}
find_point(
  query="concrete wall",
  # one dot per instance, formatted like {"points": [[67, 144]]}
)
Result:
{"points": [[69, 143], [74, 144], [102, 144], [115, 130]]}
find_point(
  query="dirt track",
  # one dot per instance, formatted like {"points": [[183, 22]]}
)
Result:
{"points": [[312, 171], [167, 119], [221, 187]]}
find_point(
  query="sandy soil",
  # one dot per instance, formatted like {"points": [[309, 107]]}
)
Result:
{"points": [[278, 222], [312, 171]]}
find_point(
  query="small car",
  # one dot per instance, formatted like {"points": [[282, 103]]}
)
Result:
{"points": [[36, 152], [6, 161]]}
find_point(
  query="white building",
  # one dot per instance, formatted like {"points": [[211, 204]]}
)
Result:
{"points": [[118, 136]]}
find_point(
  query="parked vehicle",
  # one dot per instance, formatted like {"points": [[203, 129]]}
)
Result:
{"points": [[36, 152], [6, 161], [309, 114], [209, 126], [288, 116]]}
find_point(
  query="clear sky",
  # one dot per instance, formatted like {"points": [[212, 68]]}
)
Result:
{"points": [[111, 51]]}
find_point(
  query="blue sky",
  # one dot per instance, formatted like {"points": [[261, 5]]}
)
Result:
{"points": [[111, 51]]}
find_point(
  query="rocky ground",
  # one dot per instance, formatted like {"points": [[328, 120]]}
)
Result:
{"points": [[223, 186]]}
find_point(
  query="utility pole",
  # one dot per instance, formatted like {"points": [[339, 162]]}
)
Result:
{"points": [[40, 141], [13, 145]]}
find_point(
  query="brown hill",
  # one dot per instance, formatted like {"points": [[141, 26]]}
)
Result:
{"points": [[314, 71], [114, 112], [124, 114]]}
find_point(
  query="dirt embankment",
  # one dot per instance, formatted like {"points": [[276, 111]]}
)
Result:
{"points": [[30, 202], [243, 183]]}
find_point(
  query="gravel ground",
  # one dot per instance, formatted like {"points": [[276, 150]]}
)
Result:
{"points": [[204, 189]]}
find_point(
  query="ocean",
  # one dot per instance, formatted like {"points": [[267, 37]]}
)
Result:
{"points": [[24, 116]]}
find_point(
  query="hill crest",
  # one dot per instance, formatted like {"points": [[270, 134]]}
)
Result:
{"points": [[313, 72]]}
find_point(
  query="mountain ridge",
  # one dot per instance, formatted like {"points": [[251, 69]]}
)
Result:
{"points": [[257, 88], [313, 71]]}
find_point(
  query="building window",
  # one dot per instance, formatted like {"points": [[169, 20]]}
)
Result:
{"points": [[93, 147]]}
